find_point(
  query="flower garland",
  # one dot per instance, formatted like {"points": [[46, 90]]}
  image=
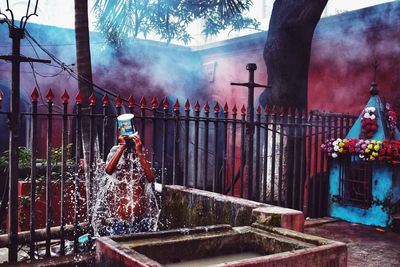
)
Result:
{"points": [[391, 119], [369, 123], [369, 150]]}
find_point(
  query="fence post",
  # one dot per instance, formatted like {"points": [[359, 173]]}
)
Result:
{"points": [[251, 67]]}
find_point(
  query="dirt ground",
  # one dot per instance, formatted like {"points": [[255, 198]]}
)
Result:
{"points": [[367, 246]]}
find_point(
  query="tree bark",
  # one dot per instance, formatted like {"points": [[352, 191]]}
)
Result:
{"points": [[288, 48], [84, 67]]}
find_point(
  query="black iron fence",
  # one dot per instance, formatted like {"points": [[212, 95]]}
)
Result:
{"points": [[191, 144]]}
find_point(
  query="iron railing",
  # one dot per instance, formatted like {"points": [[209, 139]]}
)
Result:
{"points": [[193, 145]]}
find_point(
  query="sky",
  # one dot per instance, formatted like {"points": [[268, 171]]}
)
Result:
{"points": [[61, 13]]}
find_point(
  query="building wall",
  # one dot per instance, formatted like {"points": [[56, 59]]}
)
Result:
{"points": [[344, 47]]}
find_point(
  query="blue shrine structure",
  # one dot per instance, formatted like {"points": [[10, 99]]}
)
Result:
{"points": [[362, 190]]}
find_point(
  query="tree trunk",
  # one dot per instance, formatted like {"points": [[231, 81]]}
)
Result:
{"points": [[287, 56], [85, 73], [288, 48]]}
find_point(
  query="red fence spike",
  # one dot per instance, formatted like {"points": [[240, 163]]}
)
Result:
{"points": [[79, 97], [176, 105], [234, 110], [216, 107], [131, 102], [266, 110], [92, 100], [118, 101], [273, 110], [197, 106], [50, 96], [258, 109], [226, 109], [207, 107], [165, 103], [243, 110], [105, 100], [296, 113], [154, 103], [143, 102], [65, 97], [303, 114], [282, 111], [289, 112], [187, 104], [35, 95]]}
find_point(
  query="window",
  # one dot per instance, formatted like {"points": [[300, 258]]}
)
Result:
{"points": [[355, 181]]}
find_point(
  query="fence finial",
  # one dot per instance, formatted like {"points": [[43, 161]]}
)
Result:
{"points": [[226, 109], [65, 97], [131, 101], [187, 105], [243, 110], [35, 94], [234, 110], [197, 106], [176, 105], [143, 102], [258, 109], [266, 110], [154, 103], [79, 98], [216, 107], [165, 103], [92, 100], [207, 107], [50, 96], [118, 101], [105, 100]]}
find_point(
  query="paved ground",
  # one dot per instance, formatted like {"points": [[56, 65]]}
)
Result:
{"points": [[367, 246]]}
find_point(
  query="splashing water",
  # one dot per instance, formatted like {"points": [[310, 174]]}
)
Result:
{"points": [[123, 202]]}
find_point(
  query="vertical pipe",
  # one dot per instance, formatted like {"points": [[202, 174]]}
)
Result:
{"points": [[164, 151], [196, 143], [302, 158], [258, 142], [63, 171], [92, 195], [280, 167], [105, 126], [142, 119], [314, 180], [206, 129], [242, 149], [273, 154], [266, 141], [175, 171], [49, 171], [295, 127], [322, 177], [35, 96], [250, 132], [16, 34], [186, 157], [215, 183], [154, 107], [78, 146], [233, 150], [225, 149], [308, 169]]}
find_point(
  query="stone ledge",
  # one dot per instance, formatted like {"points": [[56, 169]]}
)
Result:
{"points": [[189, 207]]}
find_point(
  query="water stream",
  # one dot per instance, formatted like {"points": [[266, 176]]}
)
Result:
{"points": [[123, 202]]}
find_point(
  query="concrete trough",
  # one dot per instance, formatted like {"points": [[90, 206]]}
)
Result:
{"points": [[200, 228], [218, 245]]}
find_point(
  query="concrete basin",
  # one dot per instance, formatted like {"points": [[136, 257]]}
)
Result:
{"points": [[217, 245]]}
